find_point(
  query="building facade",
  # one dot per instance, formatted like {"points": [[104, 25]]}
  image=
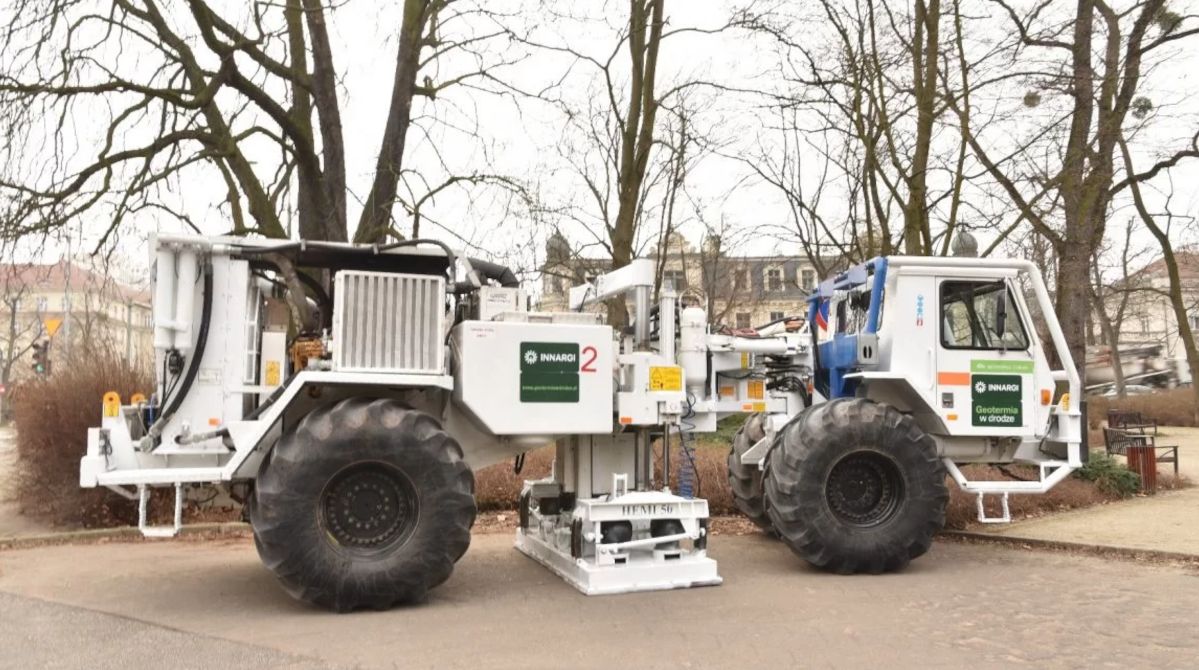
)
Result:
{"points": [[736, 291], [1149, 315], [78, 310]]}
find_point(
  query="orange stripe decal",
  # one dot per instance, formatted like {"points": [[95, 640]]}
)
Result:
{"points": [[953, 378]]}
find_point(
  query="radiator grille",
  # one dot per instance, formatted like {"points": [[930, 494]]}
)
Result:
{"points": [[386, 322]]}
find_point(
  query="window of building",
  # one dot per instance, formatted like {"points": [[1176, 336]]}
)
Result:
{"points": [[777, 316], [741, 280], [1144, 325], [1194, 319], [743, 320], [970, 313], [676, 279], [807, 279], [43, 304], [774, 279]]}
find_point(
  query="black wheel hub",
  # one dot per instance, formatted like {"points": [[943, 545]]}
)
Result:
{"points": [[864, 489], [369, 506]]}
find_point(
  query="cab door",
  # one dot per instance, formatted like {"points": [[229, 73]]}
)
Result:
{"points": [[985, 358]]}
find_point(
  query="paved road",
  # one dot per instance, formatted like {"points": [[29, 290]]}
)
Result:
{"points": [[212, 604]]}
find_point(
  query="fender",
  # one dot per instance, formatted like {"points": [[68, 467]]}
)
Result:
{"points": [[896, 390]]}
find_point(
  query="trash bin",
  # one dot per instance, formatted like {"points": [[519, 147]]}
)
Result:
{"points": [[1143, 461]]}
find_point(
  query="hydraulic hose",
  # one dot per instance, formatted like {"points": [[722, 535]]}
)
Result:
{"points": [[495, 272], [193, 367], [449, 253]]}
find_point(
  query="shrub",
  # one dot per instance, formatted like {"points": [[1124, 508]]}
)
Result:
{"points": [[497, 487], [1109, 475], [52, 416], [1175, 407]]}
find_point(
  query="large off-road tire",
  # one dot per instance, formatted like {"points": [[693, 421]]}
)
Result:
{"points": [[365, 503], [854, 486], [746, 480]]}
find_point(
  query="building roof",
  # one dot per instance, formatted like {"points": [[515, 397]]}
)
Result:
{"points": [[1188, 265], [65, 274]]}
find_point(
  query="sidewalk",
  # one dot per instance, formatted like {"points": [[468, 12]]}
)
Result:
{"points": [[12, 524], [1166, 522]]}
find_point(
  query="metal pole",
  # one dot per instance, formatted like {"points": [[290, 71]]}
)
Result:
{"points": [[641, 297], [129, 332], [66, 308]]}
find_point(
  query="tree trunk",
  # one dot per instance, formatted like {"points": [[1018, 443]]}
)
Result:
{"points": [[1074, 253], [324, 96], [309, 181], [376, 213], [917, 238], [1111, 336], [645, 36]]}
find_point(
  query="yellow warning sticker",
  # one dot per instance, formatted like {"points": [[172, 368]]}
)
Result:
{"points": [[759, 407], [756, 390], [272, 373], [665, 378], [744, 360], [728, 391]]}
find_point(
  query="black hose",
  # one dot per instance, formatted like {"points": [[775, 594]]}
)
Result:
{"points": [[495, 272], [193, 367], [449, 253]]}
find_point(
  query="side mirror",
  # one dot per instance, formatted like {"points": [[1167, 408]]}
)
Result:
{"points": [[1001, 313]]}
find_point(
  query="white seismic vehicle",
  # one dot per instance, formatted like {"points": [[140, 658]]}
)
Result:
{"points": [[925, 363], [350, 421], [351, 424]]}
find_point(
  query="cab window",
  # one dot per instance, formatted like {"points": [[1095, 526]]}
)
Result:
{"points": [[971, 313]]}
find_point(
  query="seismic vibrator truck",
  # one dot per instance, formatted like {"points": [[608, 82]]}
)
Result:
{"points": [[350, 421]]}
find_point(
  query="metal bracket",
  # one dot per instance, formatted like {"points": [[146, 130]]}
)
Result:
{"points": [[143, 507], [982, 513], [756, 455]]}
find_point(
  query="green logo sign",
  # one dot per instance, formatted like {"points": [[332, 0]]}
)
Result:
{"points": [[1009, 366], [549, 372], [997, 400]]}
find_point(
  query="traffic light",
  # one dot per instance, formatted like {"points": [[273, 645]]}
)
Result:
{"points": [[41, 357]]}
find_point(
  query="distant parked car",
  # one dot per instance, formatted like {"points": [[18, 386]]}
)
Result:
{"points": [[1130, 389]]}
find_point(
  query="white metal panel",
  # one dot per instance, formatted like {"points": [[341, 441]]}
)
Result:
{"points": [[385, 322], [566, 392]]}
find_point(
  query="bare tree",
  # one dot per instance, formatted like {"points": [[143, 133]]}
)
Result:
{"points": [[19, 335], [855, 144], [127, 107], [1110, 301], [1100, 98], [1161, 233]]}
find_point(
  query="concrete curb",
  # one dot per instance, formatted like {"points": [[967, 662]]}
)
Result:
{"points": [[127, 534], [1105, 551]]}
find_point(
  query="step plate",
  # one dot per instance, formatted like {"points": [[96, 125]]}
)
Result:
{"points": [[642, 573]]}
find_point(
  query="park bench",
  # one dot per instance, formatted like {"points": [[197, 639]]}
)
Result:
{"points": [[1117, 442], [1123, 419]]}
